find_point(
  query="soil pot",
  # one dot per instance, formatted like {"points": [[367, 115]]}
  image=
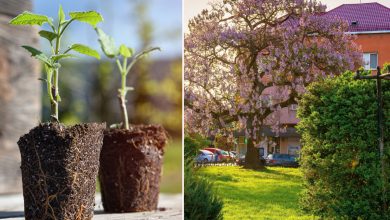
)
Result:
{"points": [[59, 169], [130, 168]]}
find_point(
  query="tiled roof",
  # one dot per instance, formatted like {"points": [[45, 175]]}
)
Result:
{"points": [[363, 17]]}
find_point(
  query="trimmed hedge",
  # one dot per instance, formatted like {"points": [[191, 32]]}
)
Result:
{"points": [[340, 155]]}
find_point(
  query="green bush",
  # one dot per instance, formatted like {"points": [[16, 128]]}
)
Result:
{"points": [[199, 200], [340, 155], [200, 203], [192, 144]]}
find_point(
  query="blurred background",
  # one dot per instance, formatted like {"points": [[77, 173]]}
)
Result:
{"points": [[89, 87]]}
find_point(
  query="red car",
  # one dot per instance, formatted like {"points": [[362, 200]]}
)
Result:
{"points": [[221, 155]]}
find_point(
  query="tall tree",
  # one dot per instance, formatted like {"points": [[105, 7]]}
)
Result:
{"points": [[239, 48]]}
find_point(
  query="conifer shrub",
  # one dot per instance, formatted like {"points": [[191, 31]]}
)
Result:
{"points": [[200, 202]]}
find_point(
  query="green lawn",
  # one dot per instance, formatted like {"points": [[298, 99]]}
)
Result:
{"points": [[172, 172], [249, 194]]}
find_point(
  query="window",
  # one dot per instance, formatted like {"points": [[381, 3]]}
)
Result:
{"points": [[370, 61], [261, 151]]}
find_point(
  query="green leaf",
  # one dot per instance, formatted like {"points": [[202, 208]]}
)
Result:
{"points": [[42, 79], [146, 52], [61, 14], [124, 51], [38, 55], [131, 51], [107, 44], [28, 18], [50, 36], [61, 56], [90, 17], [85, 50]]}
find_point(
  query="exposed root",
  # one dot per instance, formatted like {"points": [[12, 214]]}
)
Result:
{"points": [[59, 167]]}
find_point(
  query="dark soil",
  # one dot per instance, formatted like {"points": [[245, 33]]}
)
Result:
{"points": [[59, 169], [130, 168]]}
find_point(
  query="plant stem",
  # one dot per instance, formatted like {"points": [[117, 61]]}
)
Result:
{"points": [[55, 96], [122, 93], [122, 101], [50, 92]]}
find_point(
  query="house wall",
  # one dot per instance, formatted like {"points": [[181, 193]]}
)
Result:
{"points": [[377, 43], [286, 142], [282, 145]]}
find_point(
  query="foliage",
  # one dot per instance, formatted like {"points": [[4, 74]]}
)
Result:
{"points": [[52, 62], [271, 193], [123, 52], [200, 202], [386, 68], [223, 142], [164, 99], [240, 50], [340, 155], [194, 143]]}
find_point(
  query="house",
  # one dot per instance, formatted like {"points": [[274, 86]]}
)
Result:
{"points": [[370, 22]]}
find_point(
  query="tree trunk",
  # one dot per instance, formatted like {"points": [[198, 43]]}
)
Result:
{"points": [[252, 157], [20, 91]]}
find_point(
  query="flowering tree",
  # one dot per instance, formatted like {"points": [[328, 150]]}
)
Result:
{"points": [[240, 48]]}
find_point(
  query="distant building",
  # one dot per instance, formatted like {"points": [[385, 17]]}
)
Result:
{"points": [[370, 22]]}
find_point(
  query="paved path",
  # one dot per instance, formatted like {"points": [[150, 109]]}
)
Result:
{"points": [[11, 208]]}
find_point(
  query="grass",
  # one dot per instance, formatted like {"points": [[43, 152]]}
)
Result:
{"points": [[248, 194], [172, 172]]}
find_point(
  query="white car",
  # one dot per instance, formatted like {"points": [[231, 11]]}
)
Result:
{"points": [[205, 156], [232, 154]]}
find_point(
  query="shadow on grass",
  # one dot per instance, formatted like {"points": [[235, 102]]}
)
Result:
{"points": [[274, 174]]}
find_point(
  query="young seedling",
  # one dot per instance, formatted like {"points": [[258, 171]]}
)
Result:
{"points": [[125, 54], [54, 34]]}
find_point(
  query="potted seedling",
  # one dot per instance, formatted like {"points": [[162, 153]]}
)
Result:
{"points": [[131, 157], [59, 163]]}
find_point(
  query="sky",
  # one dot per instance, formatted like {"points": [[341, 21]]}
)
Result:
{"points": [[120, 22], [194, 7]]}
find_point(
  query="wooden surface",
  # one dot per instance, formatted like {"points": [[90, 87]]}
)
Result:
{"points": [[170, 207], [20, 91]]}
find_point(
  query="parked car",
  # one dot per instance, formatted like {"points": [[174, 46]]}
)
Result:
{"points": [[219, 155], [240, 160], [205, 156], [233, 154], [226, 156], [282, 160]]}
